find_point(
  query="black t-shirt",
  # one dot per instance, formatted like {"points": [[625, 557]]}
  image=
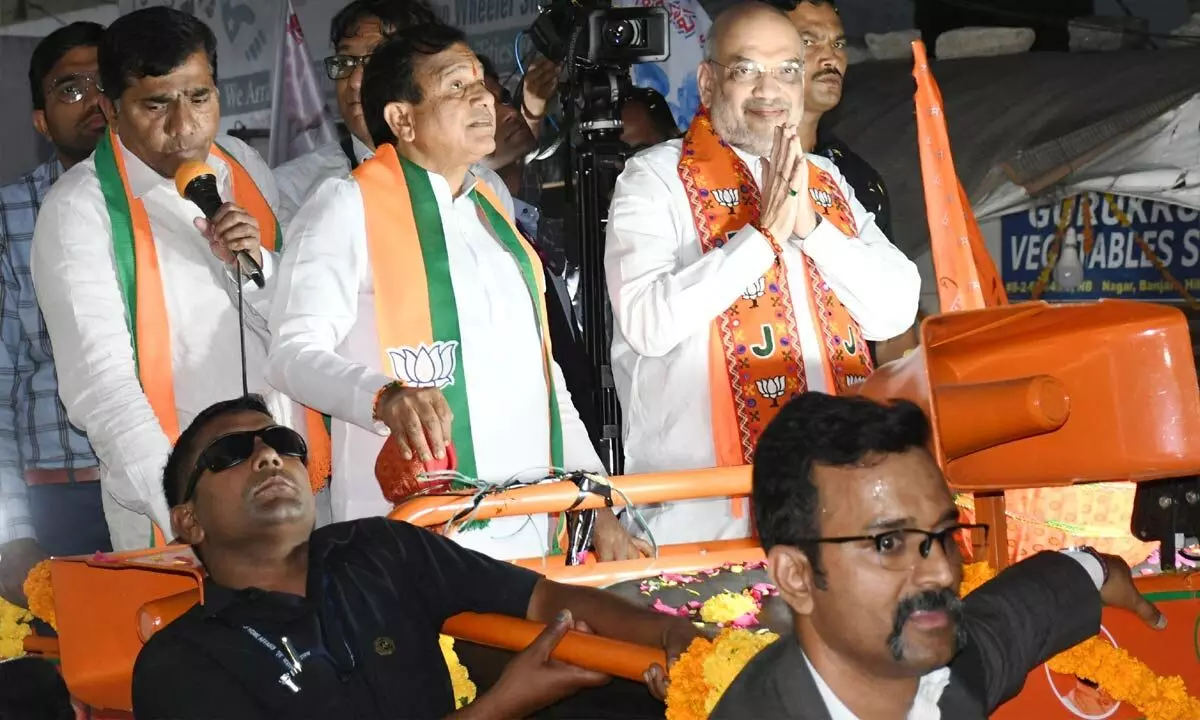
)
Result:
{"points": [[366, 633], [868, 184]]}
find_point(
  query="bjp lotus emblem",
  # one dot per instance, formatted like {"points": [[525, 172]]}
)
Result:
{"points": [[728, 198], [821, 197], [772, 389], [756, 291], [426, 365]]}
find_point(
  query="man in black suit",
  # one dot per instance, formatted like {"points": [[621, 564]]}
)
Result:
{"points": [[862, 539]]}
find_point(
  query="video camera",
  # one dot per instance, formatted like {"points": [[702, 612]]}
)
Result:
{"points": [[595, 44], [599, 35]]}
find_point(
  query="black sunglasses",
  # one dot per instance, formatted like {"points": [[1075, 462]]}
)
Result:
{"points": [[229, 451]]}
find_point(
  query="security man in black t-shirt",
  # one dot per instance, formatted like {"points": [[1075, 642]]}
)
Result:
{"points": [[342, 622]]}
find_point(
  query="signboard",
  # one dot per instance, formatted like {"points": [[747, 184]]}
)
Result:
{"points": [[248, 33], [491, 26], [1115, 267]]}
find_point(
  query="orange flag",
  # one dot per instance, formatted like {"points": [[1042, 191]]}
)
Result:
{"points": [[966, 275]]}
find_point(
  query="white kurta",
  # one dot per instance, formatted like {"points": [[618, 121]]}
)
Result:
{"points": [[299, 178], [325, 352], [666, 293], [75, 276]]}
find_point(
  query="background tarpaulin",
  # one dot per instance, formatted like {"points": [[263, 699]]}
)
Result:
{"points": [[1020, 118]]}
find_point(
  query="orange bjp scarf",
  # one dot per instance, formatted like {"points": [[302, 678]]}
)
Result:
{"points": [[140, 279], [756, 363]]}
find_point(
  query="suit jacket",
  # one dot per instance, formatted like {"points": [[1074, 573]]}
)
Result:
{"points": [[1029, 613]]}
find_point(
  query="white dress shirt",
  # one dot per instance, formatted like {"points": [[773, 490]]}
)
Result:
{"points": [[299, 178], [666, 292], [325, 352], [75, 276]]}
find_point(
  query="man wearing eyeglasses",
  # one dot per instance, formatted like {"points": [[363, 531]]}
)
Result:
{"points": [[354, 33], [50, 500], [742, 271], [864, 543]]}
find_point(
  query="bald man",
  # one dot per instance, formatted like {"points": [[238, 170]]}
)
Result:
{"points": [[742, 272]]}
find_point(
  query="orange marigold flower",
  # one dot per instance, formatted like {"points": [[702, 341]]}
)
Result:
{"points": [[41, 594]]}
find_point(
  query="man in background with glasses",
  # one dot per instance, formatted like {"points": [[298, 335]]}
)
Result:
{"points": [[742, 272], [864, 542], [354, 33], [50, 500]]}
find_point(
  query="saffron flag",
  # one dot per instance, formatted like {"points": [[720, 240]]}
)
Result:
{"points": [[966, 275], [301, 120]]}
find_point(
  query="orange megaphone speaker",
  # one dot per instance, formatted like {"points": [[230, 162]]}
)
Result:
{"points": [[1038, 395], [101, 603]]}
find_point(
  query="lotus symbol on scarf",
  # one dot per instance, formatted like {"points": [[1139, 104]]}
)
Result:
{"points": [[822, 198], [425, 365], [727, 197], [755, 291], [772, 388]]}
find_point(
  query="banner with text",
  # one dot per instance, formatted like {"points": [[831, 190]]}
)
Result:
{"points": [[248, 33], [1115, 267]]}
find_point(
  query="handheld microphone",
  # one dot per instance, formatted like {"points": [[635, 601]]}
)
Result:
{"points": [[196, 181]]}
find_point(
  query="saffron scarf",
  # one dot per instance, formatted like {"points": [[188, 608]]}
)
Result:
{"points": [[756, 363], [140, 280], [416, 313]]}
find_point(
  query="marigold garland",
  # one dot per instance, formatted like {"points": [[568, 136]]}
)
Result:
{"points": [[464, 688], [40, 593], [1121, 676], [702, 674], [14, 628]]}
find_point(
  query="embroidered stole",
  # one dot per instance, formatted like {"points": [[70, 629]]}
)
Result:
{"points": [[756, 363], [140, 280], [416, 313]]}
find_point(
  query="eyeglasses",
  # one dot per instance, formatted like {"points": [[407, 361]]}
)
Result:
{"points": [[901, 550], [229, 451], [340, 67], [70, 89], [748, 72]]}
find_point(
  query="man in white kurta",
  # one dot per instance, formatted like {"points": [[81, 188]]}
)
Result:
{"points": [[325, 348], [76, 278], [666, 291]]}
